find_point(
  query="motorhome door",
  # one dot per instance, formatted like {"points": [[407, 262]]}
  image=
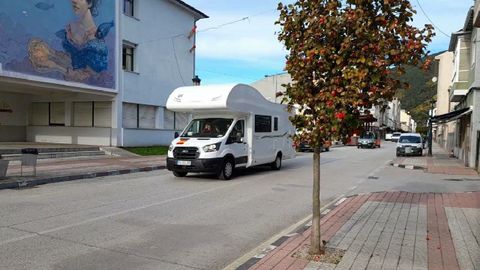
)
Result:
{"points": [[238, 143]]}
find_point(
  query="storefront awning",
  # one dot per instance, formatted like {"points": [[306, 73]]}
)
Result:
{"points": [[451, 116]]}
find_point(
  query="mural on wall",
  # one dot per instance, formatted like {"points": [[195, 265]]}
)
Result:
{"points": [[70, 40]]}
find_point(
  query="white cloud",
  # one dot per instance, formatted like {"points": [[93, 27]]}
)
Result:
{"points": [[254, 40], [248, 40]]}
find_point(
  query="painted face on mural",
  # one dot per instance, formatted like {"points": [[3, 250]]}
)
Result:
{"points": [[81, 7]]}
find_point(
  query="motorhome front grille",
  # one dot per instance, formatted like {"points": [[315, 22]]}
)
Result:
{"points": [[185, 153]]}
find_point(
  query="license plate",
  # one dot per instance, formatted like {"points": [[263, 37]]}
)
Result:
{"points": [[408, 150], [184, 162]]}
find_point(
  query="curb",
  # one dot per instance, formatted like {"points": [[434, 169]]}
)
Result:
{"points": [[56, 179], [280, 240], [410, 167]]}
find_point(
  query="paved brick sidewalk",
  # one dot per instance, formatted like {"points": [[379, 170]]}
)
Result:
{"points": [[393, 230], [56, 171], [439, 163]]}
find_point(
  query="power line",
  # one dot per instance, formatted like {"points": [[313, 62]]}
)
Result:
{"points": [[235, 21], [209, 28], [436, 27]]}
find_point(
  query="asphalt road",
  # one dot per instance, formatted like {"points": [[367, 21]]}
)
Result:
{"points": [[156, 221]]}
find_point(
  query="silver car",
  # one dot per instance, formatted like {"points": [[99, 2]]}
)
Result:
{"points": [[410, 144]]}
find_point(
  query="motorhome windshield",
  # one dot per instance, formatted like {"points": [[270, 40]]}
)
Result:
{"points": [[207, 128]]}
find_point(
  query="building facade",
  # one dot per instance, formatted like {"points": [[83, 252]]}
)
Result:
{"points": [[94, 72], [407, 124], [464, 91], [445, 131]]}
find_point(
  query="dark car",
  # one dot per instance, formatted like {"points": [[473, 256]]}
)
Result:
{"points": [[305, 147], [367, 140]]}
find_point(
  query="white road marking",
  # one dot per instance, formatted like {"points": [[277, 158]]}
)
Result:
{"points": [[340, 201]]}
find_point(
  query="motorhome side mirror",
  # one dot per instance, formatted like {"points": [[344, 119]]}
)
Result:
{"points": [[176, 134], [239, 138]]}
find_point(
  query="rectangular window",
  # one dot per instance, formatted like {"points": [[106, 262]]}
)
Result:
{"points": [[102, 114], [130, 115], [168, 119], [146, 116], [128, 57], [39, 114], [139, 116], [263, 123], [181, 120], [275, 123], [56, 114], [129, 7], [82, 114], [48, 114]]}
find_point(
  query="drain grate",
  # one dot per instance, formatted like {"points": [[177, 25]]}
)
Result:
{"points": [[373, 177]]}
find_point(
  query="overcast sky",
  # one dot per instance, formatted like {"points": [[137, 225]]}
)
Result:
{"points": [[248, 50]]}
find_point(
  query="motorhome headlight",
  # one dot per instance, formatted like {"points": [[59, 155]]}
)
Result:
{"points": [[170, 148], [211, 147]]}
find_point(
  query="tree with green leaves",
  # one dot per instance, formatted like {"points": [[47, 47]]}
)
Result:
{"points": [[342, 56]]}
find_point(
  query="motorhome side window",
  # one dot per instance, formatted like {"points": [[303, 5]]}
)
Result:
{"points": [[237, 132], [275, 124], [263, 123]]}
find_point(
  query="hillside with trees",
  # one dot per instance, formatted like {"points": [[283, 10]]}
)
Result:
{"points": [[416, 99]]}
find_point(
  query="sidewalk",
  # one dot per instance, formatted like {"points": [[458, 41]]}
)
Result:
{"points": [[52, 170], [392, 230], [439, 163]]}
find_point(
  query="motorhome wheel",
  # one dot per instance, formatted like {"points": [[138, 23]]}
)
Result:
{"points": [[226, 171], [277, 164]]}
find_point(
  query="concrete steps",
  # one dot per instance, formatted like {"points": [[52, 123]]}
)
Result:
{"points": [[54, 152]]}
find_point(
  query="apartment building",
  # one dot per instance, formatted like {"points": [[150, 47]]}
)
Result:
{"points": [[445, 131], [94, 72], [464, 95]]}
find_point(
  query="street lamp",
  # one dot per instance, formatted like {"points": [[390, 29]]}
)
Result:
{"points": [[196, 80]]}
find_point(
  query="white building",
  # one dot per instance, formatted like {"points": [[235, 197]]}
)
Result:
{"points": [[393, 121], [407, 124], [99, 75], [271, 85]]}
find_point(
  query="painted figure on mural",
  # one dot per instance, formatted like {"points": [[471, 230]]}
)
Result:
{"points": [[85, 54]]}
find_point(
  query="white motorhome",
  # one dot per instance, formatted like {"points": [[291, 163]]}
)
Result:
{"points": [[232, 126]]}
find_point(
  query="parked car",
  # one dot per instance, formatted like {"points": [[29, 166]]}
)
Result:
{"points": [[368, 139], [305, 147], [395, 136], [388, 136], [410, 144]]}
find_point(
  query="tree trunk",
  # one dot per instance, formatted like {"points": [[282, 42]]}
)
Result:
{"points": [[316, 240]]}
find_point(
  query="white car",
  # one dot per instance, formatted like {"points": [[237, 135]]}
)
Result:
{"points": [[410, 144], [395, 136], [388, 137]]}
